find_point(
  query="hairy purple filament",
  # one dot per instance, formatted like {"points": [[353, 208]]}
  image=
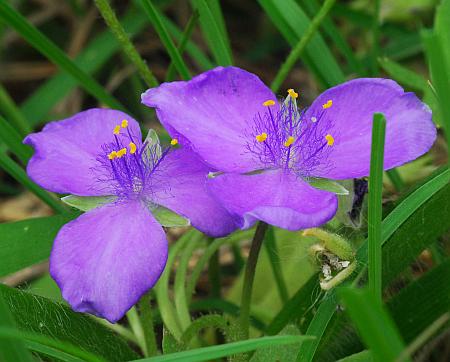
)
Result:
{"points": [[291, 141], [128, 166]]}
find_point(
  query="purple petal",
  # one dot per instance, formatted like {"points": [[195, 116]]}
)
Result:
{"points": [[213, 112], [276, 197], [107, 258], [180, 185], [410, 131], [66, 151]]}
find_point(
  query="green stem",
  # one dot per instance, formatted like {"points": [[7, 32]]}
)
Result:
{"points": [[137, 328], [123, 39], [145, 309], [301, 45], [214, 273], [396, 179], [375, 206], [249, 276]]}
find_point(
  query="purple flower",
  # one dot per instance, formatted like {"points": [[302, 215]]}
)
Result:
{"points": [[267, 150], [108, 257]]}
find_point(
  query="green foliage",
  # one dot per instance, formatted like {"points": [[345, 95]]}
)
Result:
{"points": [[27, 242], [39, 315]]}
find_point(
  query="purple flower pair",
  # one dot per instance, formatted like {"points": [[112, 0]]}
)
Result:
{"points": [[261, 153]]}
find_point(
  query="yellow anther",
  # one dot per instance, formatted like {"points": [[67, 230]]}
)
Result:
{"points": [[174, 142], [124, 123], [112, 155], [292, 93], [132, 147], [289, 141], [121, 152], [116, 129], [328, 104], [330, 140], [261, 137], [268, 103]]}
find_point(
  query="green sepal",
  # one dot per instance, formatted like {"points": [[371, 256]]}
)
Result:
{"points": [[168, 218], [86, 203], [328, 185]]}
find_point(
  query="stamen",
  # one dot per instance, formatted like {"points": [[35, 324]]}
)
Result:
{"points": [[313, 119], [112, 155], [268, 103], [173, 142], [289, 141], [132, 146], [124, 123], [261, 137], [328, 104], [117, 129], [330, 140], [121, 152], [292, 93]]}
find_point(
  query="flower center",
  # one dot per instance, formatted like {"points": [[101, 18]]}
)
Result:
{"points": [[127, 166], [282, 137]]}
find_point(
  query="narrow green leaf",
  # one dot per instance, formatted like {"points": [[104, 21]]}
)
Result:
{"points": [[41, 342], [298, 49], [213, 34], [328, 185], [403, 75], [292, 22], [364, 356], [181, 304], [439, 75], [166, 40], [12, 112], [56, 55], [27, 242], [86, 203], [317, 327], [375, 206], [125, 42], [374, 325], [184, 41], [91, 59], [295, 308], [192, 49], [14, 141], [224, 350], [38, 315], [12, 168], [10, 349]]}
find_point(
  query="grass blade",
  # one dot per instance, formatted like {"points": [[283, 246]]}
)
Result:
{"points": [[90, 60], [213, 34], [184, 41], [375, 326], [158, 24], [44, 45], [297, 51], [116, 28], [14, 141], [10, 110], [12, 168], [375, 206], [223, 350], [292, 22]]}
